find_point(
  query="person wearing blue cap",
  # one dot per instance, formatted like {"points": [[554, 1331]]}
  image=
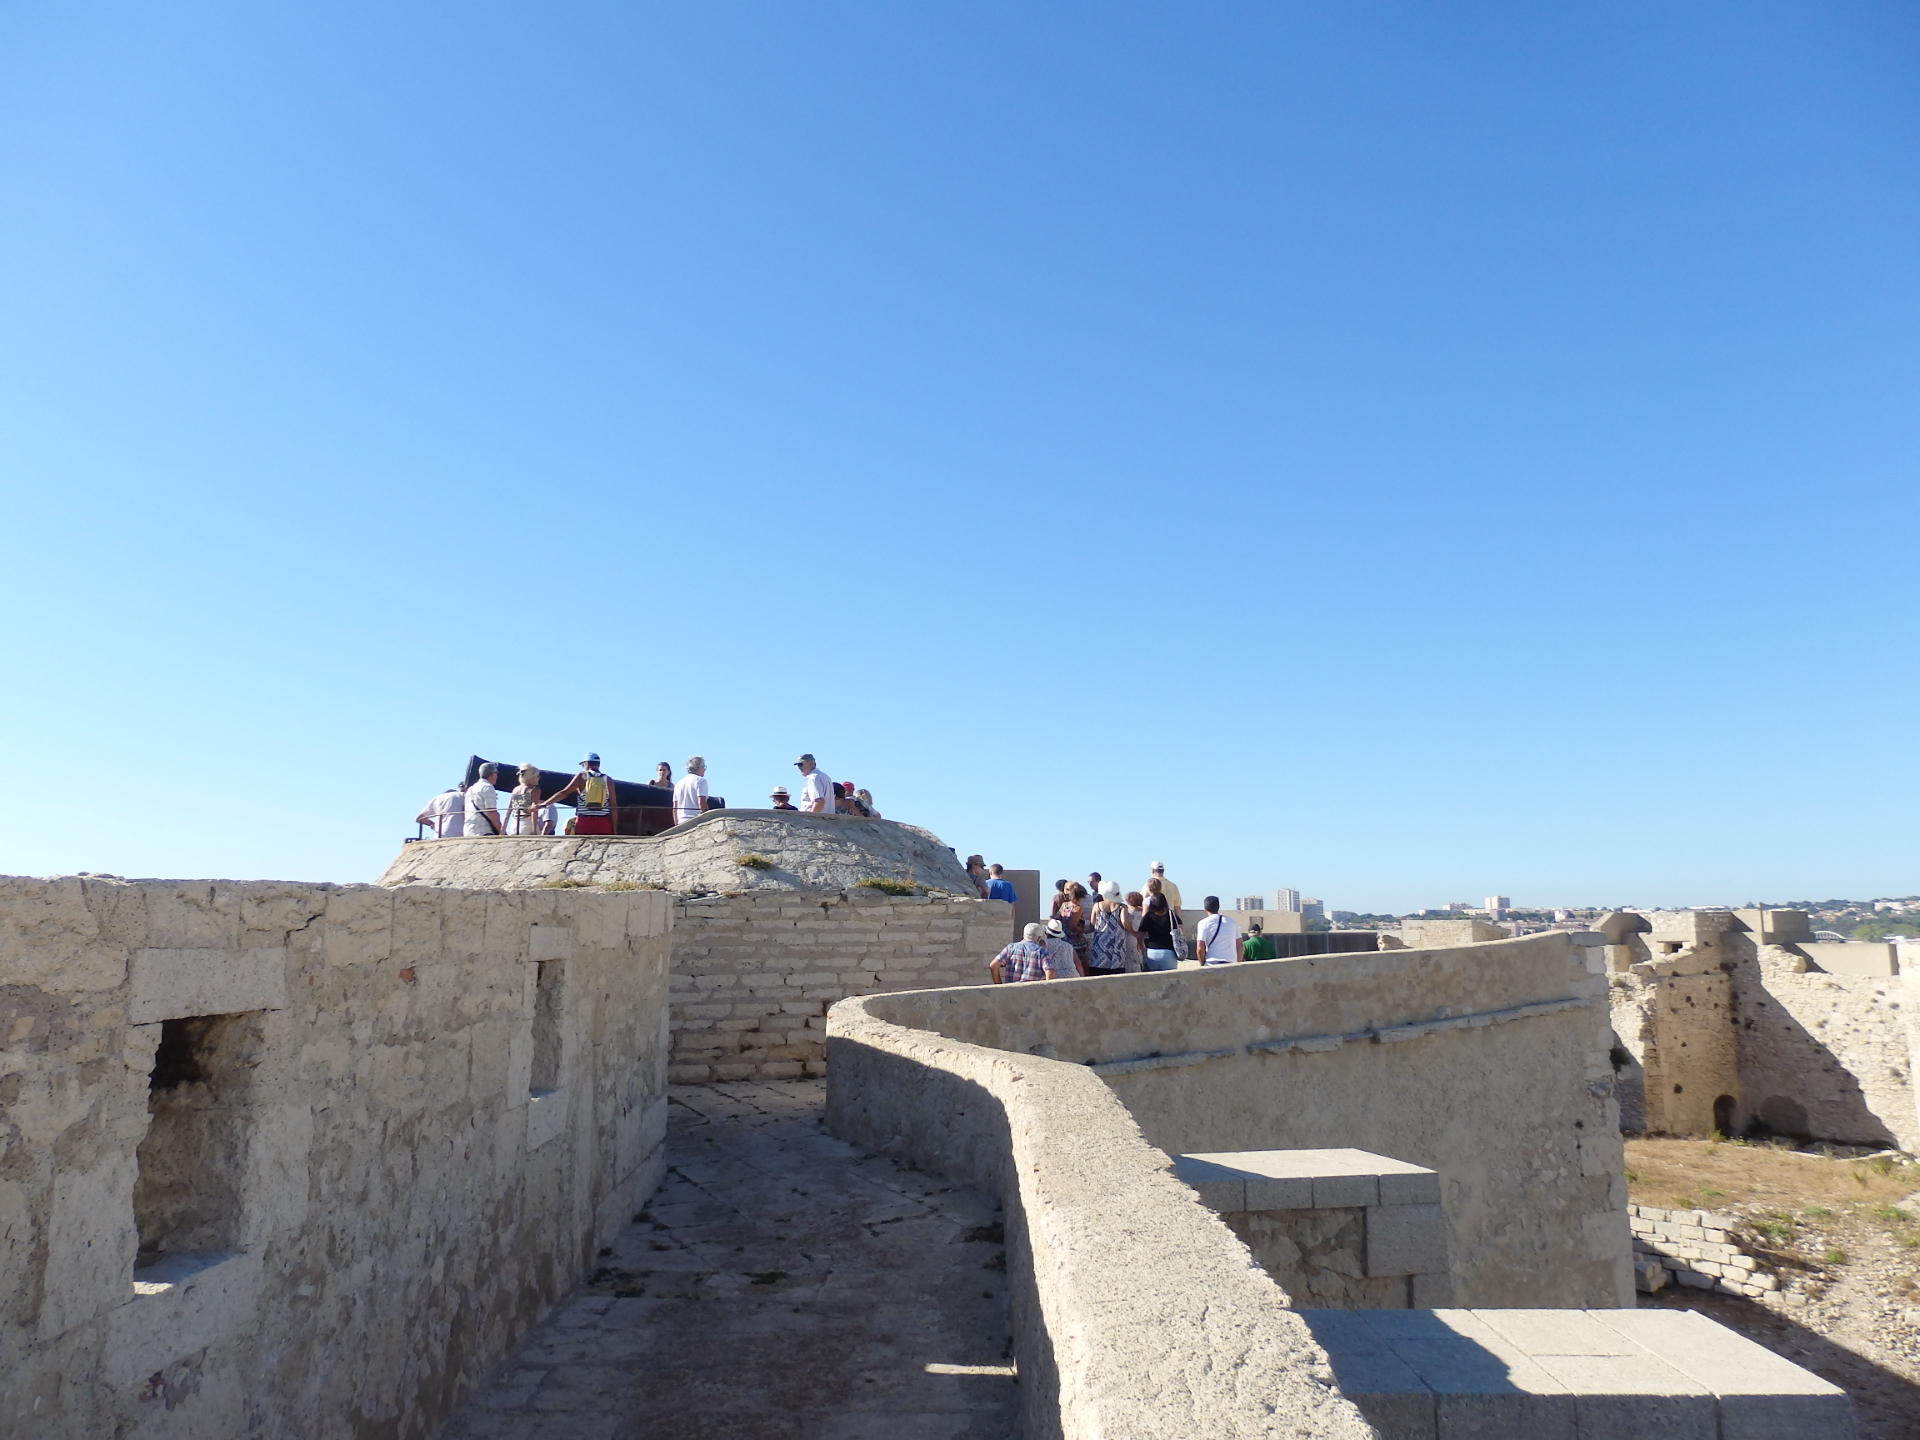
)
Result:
{"points": [[595, 810]]}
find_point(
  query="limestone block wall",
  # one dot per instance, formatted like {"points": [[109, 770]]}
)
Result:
{"points": [[1487, 1063], [1694, 1248], [1675, 1016], [1730, 1020], [1828, 1056], [304, 1160], [754, 973]]}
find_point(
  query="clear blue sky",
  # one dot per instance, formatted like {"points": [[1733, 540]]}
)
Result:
{"points": [[1402, 451]]}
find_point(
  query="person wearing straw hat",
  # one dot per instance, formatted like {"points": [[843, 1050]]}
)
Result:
{"points": [[782, 800]]}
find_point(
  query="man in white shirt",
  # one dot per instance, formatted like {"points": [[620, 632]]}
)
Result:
{"points": [[1167, 887], [446, 813], [690, 795], [483, 804], [1217, 935], [816, 796]]}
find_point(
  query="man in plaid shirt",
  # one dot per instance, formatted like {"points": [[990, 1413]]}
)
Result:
{"points": [[1023, 960]]}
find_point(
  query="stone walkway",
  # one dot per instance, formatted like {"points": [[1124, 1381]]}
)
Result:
{"points": [[780, 1285]]}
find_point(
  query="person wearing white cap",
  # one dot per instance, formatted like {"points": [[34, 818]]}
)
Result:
{"points": [[596, 811], [1167, 887], [1066, 960], [816, 796]]}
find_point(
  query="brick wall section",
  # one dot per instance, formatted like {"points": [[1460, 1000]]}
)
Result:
{"points": [[753, 974]]}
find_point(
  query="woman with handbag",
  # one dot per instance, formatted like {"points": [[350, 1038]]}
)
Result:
{"points": [[1157, 929]]}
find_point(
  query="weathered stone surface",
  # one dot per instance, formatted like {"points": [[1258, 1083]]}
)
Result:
{"points": [[308, 1106], [779, 1283], [1506, 1111], [1721, 1020], [765, 968], [1135, 1310], [804, 852]]}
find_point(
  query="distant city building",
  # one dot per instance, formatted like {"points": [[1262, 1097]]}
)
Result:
{"points": [[1287, 900], [1560, 915], [1458, 905], [1250, 902], [1340, 916], [1499, 902], [1312, 908]]}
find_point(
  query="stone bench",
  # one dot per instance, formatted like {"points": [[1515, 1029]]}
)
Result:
{"points": [[1571, 1375], [1335, 1228]]}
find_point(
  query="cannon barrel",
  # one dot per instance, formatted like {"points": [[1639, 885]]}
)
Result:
{"points": [[644, 809]]}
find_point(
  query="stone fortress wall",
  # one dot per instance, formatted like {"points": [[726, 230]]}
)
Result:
{"points": [[1726, 1019], [305, 1160], [760, 952], [1135, 1309], [1486, 1063]]}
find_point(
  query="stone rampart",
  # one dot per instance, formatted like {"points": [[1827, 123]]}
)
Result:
{"points": [[753, 974], [304, 1160], [760, 953], [785, 851], [1487, 1063], [1136, 1312]]}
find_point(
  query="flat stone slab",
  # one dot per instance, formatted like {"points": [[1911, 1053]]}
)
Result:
{"points": [[1577, 1374], [1305, 1179], [783, 1285]]}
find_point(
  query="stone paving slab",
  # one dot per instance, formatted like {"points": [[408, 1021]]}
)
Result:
{"points": [[1580, 1374], [782, 1285]]}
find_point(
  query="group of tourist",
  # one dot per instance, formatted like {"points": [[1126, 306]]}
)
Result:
{"points": [[476, 809], [1095, 930]]}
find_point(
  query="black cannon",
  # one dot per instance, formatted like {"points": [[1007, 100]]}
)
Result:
{"points": [[642, 809]]}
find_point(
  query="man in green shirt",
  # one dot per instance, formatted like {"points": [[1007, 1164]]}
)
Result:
{"points": [[1257, 946]]}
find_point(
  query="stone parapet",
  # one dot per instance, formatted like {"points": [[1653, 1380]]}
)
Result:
{"points": [[1487, 1063], [1135, 1311]]}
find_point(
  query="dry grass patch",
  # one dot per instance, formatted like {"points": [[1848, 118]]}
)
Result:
{"points": [[1730, 1175]]}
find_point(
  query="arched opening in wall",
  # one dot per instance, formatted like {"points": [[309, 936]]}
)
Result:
{"points": [[1779, 1115], [187, 1192], [1723, 1114]]}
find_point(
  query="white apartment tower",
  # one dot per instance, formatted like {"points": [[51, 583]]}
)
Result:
{"points": [[1287, 900]]}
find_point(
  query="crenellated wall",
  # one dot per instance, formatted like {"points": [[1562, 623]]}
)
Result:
{"points": [[304, 1160]]}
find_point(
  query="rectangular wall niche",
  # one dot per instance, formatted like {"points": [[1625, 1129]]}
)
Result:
{"points": [[549, 1004], [186, 1199]]}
